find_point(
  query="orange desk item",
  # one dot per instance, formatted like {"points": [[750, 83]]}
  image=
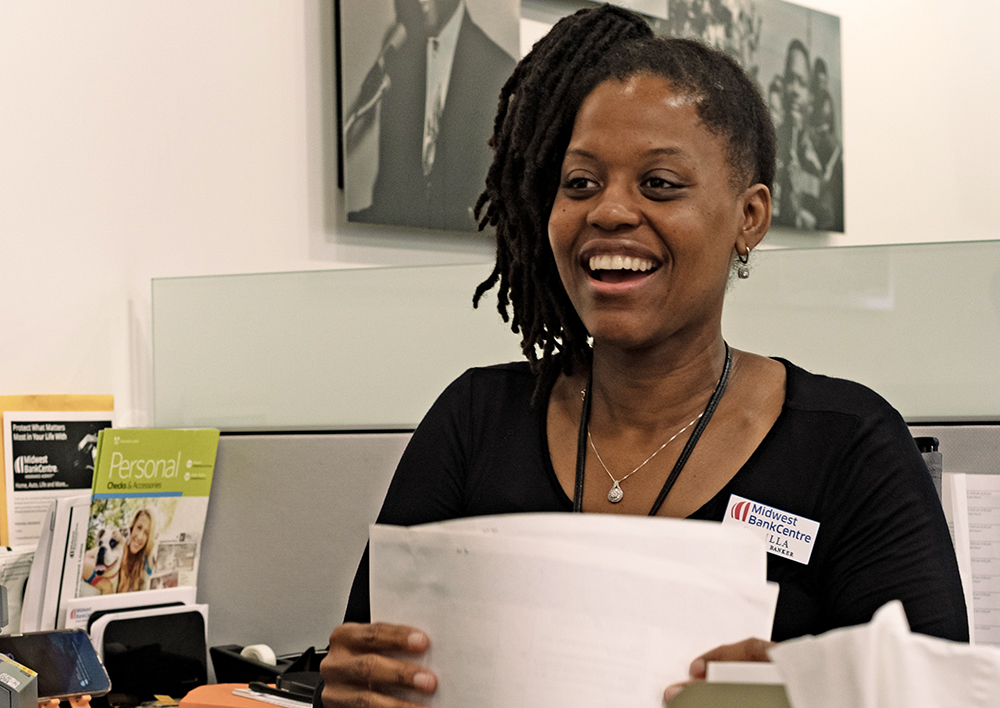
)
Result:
{"points": [[218, 695]]}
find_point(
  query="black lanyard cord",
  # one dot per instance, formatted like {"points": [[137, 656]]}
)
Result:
{"points": [[581, 445]]}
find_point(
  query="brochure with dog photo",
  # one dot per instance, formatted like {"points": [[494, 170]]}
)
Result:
{"points": [[147, 516]]}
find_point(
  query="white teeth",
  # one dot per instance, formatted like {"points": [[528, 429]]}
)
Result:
{"points": [[620, 263]]}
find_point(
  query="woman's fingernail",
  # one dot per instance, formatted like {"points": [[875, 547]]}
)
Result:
{"points": [[417, 640], [698, 668], [671, 692], [423, 680]]}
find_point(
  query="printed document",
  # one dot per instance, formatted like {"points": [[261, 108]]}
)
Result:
{"points": [[569, 610]]}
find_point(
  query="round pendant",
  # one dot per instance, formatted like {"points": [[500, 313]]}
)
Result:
{"points": [[615, 494]]}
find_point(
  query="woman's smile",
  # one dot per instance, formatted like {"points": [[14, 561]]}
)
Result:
{"points": [[616, 262]]}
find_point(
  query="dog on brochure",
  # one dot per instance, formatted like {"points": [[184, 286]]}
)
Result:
{"points": [[102, 563]]}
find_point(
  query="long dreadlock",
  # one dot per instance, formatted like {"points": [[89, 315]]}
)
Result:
{"points": [[537, 106]]}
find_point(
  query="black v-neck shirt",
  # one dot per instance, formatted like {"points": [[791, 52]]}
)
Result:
{"points": [[838, 454]]}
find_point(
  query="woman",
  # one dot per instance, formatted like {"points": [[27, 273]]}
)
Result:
{"points": [[631, 176], [136, 563]]}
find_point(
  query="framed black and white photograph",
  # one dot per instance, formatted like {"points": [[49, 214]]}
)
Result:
{"points": [[793, 53], [419, 82]]}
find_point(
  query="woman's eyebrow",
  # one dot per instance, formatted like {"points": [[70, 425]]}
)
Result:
{"points": [[667, 151]]}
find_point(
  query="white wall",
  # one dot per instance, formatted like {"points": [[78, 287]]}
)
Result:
{"points": [[186, 137]]}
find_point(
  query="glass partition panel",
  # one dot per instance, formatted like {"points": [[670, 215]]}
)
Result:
{"points": [[342, 349], [372, 348], [919, 323]]}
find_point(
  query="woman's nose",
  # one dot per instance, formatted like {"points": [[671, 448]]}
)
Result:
{"points": [[614, 209]]}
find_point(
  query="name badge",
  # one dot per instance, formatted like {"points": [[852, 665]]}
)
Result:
{"points": [[787, 535]]}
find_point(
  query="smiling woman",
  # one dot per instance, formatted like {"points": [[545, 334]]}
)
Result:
{"points": [[631, 174]]}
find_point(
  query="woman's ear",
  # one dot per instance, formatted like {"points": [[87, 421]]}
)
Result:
{"points": [[756, 217]]}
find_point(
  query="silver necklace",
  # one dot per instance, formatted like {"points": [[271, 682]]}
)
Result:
{"points": [[615, 494]]}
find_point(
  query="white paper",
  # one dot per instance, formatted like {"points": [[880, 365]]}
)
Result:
{"points": [[883, 665], [983, 495], [532, 620], [742, 672], [34, 588], [15, 563], [705, 544], [28, 437], [57, 563], [954, 499], [66, 559]]}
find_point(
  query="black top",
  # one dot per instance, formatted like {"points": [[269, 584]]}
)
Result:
{"points": [[838, 454]]}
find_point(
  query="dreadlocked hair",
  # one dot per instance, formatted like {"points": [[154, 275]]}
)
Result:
{"points": [[534, 122]]}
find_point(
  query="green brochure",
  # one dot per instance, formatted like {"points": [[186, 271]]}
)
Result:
{"points": [[147, 516]]}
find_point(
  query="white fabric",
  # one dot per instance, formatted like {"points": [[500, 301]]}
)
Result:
{"points": [[883, 665]]}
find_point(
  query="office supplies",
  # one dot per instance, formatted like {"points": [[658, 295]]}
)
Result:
{"points": [[271, 698], [56, 567], [281, 692], [295, 672], [80, 612], [153, 652]]}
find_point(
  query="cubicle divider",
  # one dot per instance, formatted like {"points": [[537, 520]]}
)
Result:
{"points": [[287, 523], [316, 379]]}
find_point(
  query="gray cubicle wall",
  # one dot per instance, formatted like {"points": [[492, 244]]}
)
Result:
{"points": [[289, 514], [287, 523], [965, 449]]}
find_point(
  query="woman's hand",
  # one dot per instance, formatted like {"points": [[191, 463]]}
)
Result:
{"points": [[747, 650], [355, 671]]}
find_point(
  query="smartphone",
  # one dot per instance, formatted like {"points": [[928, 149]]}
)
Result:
{"points": [[65, 661]]}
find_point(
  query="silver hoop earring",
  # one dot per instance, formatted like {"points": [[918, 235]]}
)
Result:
{"points": [[743, 272]]}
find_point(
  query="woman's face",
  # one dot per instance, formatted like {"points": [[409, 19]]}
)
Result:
{"points": [[646, 218], [139, 534]]}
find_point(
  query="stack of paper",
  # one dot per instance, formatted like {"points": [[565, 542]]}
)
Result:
{"points": [[566, 609], [972, 506], [56, 566]]}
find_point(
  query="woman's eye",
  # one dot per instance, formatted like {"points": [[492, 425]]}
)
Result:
{"points": [[578, 183], [659, 188], [659, 183]]}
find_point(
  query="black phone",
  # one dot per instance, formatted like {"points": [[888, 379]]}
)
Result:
{"points": [[65, 661]]}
